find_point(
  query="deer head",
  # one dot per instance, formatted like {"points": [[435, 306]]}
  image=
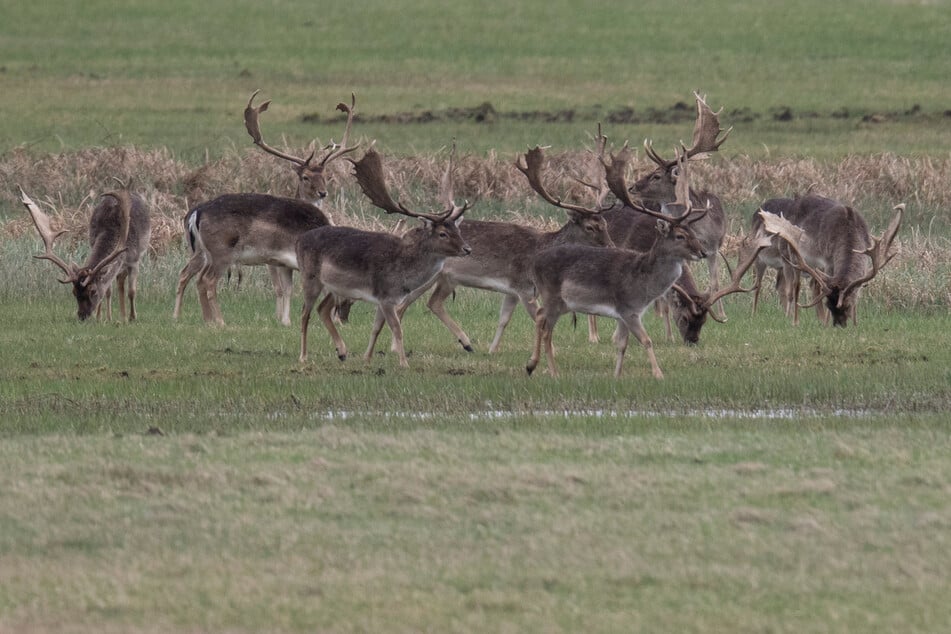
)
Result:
{"points": [[311, 178], [90, 280], [589, 219], [659, 185]]}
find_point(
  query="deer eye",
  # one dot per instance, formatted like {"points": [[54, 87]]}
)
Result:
{"points": [[443, 235]]}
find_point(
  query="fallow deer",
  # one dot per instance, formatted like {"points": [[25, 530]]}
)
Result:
{"points": [[376, 267], [503, 253], [119, 232], [831, 243], [311, 189], [771, 258], [658, 187], [622, 283]]}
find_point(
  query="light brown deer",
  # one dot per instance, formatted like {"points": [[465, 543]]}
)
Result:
{"points": [[658, 187], [311, 189], [503, 253], [119, 232], [381, 268], [831, 243]]}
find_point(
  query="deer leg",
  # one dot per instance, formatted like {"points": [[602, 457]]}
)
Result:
{"points": [[283, 278], [663, 308], [120, 285], [378, 322], [133, 288], [311, 291], [403, 307], [437, 306], [325, 310], [192, 267], [637, 328], [537, 348], [549, 333], [393, 321], [509, 302], [107, 300], [593, 329], [759, 271], [278, 283], [621, 337]]}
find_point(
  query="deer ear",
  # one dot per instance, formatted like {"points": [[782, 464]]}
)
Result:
{"points": [[458, 221], [674, 173], [663, 227]]}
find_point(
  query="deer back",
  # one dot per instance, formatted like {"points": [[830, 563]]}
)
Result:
{"points": [[377, 266], [253, 228]]}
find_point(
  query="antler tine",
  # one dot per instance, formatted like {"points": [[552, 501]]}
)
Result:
{"points": [[369, 173], [706, 130], [253, 126], [339, 150], [614, 174], [531, 164], [446, 194], [125, 211], [657, 158], [759, 241], [793, 235], [878, 252], [43, 226]]}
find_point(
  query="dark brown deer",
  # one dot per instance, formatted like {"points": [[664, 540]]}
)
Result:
{"points": [[380, 268], [311, 189], [658, 187], [831, 243], [503, 253], [119, 232]]}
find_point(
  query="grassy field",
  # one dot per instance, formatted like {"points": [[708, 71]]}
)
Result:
{"points": [[166, 476], [804, 78]]}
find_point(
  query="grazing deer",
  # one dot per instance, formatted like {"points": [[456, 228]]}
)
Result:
{"points": [[503, 255], [771, 257], [380, 268], [658, 187], [119, 232], [832, 244], [311, 188]]}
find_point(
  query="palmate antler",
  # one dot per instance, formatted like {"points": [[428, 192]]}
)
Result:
{"points": [[253, 125], [44, 227], [795, 239], [369, 173], [753, 245], [531, 164], [705, 136], [878, 252], [614, 173]]}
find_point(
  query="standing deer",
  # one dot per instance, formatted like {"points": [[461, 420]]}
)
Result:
{"points": [[119, 232], [380, 268], [658, 187], [622, 283], [771, 257], [503, 255], [832, 244], [311, 188]]}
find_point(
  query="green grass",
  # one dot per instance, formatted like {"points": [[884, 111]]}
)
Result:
{"points": [[177, 75]]}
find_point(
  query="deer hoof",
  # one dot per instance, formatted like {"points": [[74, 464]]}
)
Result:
{"points": [[529, 369], [467, 347]]}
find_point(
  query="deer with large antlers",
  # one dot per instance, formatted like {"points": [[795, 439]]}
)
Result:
{"points": [[119, 232], [380, 268], [311, 189], [831, 243], [659, 186], [503, 253]]}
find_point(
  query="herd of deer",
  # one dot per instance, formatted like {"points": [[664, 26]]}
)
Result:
{"points": [[610, 260]]}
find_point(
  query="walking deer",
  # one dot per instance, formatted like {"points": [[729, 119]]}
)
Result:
{"points": [[831, 243], [380, 268], [658, 187], [311, 189], [503, 253], [119, 233], [621, 283]]}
